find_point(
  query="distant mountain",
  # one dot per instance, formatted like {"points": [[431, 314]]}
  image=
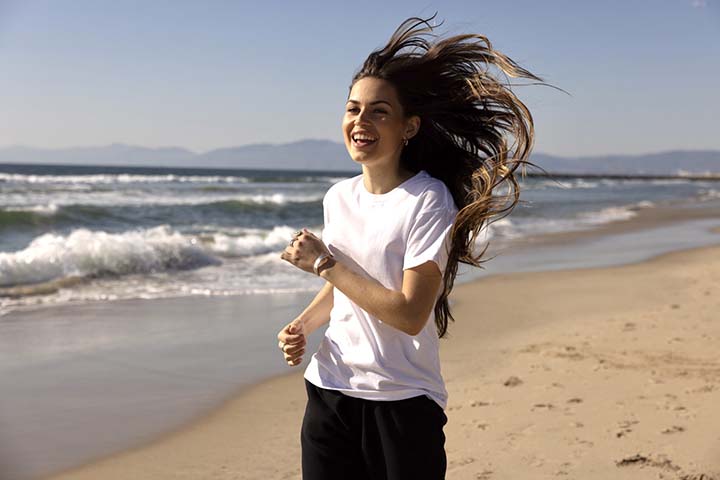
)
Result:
{"points": [[327, 155], [679, 162], [115, 154], [302, 155]]}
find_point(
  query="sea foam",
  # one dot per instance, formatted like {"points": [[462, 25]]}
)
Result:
{"points": [[252, 244], [87, 253], [122, 178]]}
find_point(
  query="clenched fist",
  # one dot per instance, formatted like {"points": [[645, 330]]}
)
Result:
{"points": [[291, 340], [304, 250]]}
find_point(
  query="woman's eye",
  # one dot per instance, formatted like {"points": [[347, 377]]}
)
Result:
{"points": [[377, 110]]}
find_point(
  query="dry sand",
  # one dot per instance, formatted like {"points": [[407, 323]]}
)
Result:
{"points": [[582, 374]]}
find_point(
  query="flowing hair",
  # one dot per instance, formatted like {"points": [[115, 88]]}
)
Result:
{"points": [[474, 132]]}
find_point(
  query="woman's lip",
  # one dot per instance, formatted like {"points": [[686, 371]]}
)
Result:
{"points": [[362, 146], [367, 134]]}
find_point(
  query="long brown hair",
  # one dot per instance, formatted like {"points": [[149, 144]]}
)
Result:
{"points": [[474, 132]]}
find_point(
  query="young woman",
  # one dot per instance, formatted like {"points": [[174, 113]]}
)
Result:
{"points": [[436, 134]]}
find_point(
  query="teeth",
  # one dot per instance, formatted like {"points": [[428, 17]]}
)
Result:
{"points": [[362, 136]]}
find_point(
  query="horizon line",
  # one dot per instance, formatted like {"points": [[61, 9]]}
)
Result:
{"points": [[279, 144]]}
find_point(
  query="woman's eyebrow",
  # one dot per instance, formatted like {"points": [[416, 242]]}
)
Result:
{"points": [[371, 103]]}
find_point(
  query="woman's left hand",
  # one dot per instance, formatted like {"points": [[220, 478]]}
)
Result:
{"points": [[304, 250]]}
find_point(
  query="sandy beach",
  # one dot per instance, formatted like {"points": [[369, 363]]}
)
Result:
{"points": [[588, 373]]}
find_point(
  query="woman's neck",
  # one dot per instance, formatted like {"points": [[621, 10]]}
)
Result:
{"points": [[382, 180]]}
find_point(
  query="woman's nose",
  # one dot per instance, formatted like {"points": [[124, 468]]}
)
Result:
{"points": [[360, 118]]}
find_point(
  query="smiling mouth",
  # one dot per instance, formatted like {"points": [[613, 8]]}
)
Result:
{"points": [[362, 139]]}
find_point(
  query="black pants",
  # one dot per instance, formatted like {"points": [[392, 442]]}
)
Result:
{"points": [[351, 438]]}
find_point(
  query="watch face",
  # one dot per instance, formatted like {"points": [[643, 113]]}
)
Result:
{"points": [[325, 263]]}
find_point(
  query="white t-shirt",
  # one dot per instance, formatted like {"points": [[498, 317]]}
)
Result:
{"points": [[379, 236]]}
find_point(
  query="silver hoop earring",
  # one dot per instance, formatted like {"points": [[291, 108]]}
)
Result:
{"points": [[405, 141]]}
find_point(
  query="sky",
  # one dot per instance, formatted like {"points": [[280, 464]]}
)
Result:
{"points": [[641, 76]]}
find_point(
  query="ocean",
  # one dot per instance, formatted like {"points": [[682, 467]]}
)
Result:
{"points": [[72, 234]]}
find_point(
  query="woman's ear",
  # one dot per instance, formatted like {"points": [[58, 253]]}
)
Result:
{"points": [[412, 127]]}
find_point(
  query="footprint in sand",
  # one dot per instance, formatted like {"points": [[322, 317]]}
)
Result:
{"points": [[580, 441], [535, 366], [684, 413], [698, 476], [513, 381], [547, 406], [480, 424], [666, 466], [704, 389], [625, 427], [674, 429], [460, 463], [641, 460], [532, 348], [629, 327]]}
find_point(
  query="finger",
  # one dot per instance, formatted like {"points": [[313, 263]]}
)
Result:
{"points": [[283, 337], [289, 351], [295, 327], [294, 339], [286, 329], [291, 258], [293, 349], [292, 335], [294, 361], [293, 355]]}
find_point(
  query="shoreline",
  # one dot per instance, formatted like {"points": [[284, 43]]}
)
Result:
{"points": [[255, 422], [645, 218]]}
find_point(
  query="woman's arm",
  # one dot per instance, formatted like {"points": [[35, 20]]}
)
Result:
{"points": [[292, 339], [317, 313], [407, 310]]}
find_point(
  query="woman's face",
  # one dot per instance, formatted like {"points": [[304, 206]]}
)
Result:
{"points": [[374, 123]]}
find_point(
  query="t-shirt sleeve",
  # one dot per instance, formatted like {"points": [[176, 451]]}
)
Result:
{"points": [[429, 238]]}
